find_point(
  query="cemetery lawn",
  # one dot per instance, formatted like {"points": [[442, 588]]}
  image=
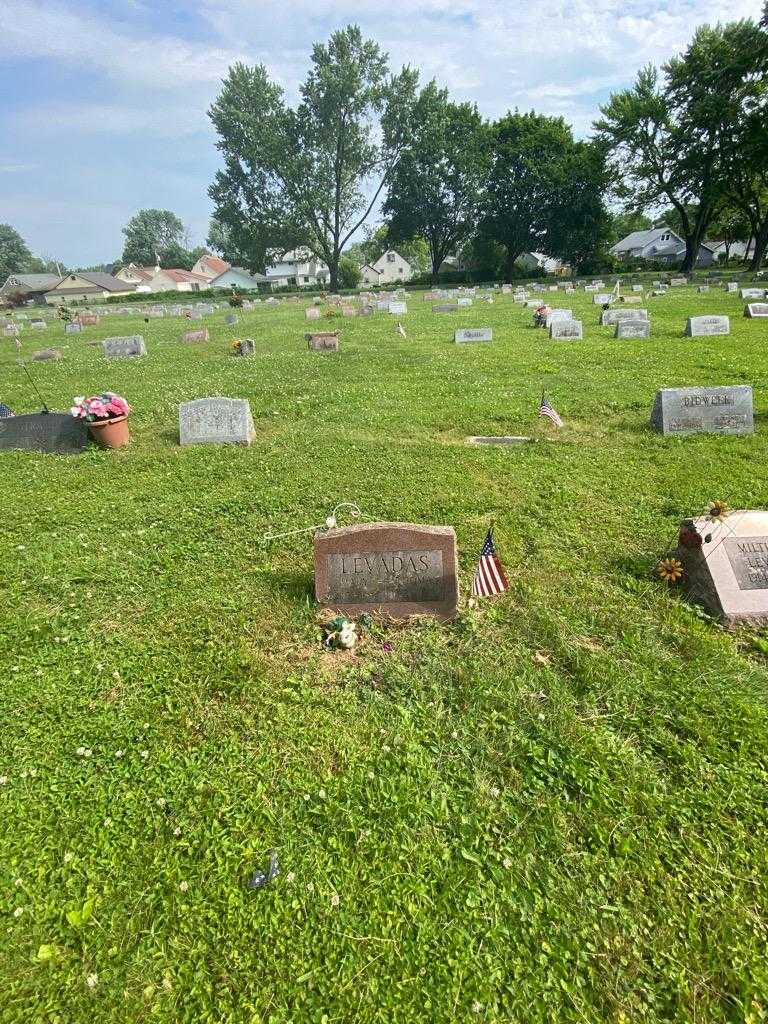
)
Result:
{"points": [[551, 810]]}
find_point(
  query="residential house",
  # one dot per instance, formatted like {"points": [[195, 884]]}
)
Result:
{"points": [[175, 280], [732, 250], [297, 268], [138, 276], [237, 277], [87, 287], [659, 245], [210, 267], [389, 268], [32, 286], [539, 263]]}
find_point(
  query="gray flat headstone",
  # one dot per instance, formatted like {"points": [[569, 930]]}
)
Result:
{"points": [[602, 298], [44, 354], [566, 329], [724, 410], [53, 433], [124, 348], [510, 439], [609, 317], [633, 328], [727, 569], [469, 334], [395, 569], [445, 307], [701, 326], [216, 421], [231, 319], [753, 293]]}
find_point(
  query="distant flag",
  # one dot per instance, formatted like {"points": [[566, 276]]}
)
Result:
{"points": [[616, 290], [5, 412], [545, 409], [490, 578], [401, 330]]}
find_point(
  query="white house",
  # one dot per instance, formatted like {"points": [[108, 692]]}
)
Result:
{"points": [[389, 268], [661, 245], [238, 277], [538, 262], [209, 266], [175, 280], [137, 276], [297, 267]]}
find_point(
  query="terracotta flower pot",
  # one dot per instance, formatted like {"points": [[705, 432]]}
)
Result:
{"points": [[113, 433]]}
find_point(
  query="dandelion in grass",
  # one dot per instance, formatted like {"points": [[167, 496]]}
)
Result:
{"points": [[18, 911], [183, 886], [670, 570], [335, 900], [717, 511], [92, 980]]}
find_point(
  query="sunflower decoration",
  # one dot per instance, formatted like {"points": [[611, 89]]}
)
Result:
{"points": [[717, 511], [670, 570], [237, 344]]}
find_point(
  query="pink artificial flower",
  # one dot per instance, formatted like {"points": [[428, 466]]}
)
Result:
{"points": [[97, 408], [117, 406], [77, 411]]}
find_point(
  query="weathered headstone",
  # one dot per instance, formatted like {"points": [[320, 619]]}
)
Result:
{"points": [[756, 310], [678, 282], [732, 286], [231, 319], [637, 287], [312, 313], [44, 354], [753, 293], [701, 326], [395, 569], [632, 328], [52, 432], [350, 310], [11, 330], [323, 341], [397, 308], [630, 299], [723, 410], [122, 348], [558, 314], [469, 334], [37, 325], [566, 329], [88, 320], [703, 289], [610, 317], [247, 347], [445, 307], [463, 301], [725, 566], [602, 298], [216, 421], [201, 335], [72, 328]]}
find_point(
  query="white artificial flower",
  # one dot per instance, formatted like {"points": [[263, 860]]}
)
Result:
{"points": [[183, 886], [177, 831], [119, 753], [144, 754], [80, 751], [92, 980]]}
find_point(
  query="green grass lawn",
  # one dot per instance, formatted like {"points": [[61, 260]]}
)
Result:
{"points": [[553, 809]]}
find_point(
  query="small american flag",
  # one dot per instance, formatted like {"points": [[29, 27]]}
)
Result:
{"points": [[490, 578], [545, 409], [5, 412], [401, 331]]}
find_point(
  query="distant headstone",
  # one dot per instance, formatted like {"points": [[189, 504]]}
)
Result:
{"points": [[216, 421], [445, 307], [469, 334], [323, 341], [52, 432], [351, 311], [726, 568], [37, 325], [120, 348], [753, 293], [88, 320], [393, 569], [724, 410], [703, 289], [11, 331], [312, 313], [72, 328], [558, 314], [464, 301], [637, 287], [231, 319], [397, 308], [610, 317], [633, 328], [367, 309], [630, 299], [566, 329], [756, 310], [602, 298], [678, 282], [700, 326], [201, 335], [732, 286], [43, 354]]}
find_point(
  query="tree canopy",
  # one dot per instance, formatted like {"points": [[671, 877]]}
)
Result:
{"points": [[309, 175], [152, 235], [14, 253]]}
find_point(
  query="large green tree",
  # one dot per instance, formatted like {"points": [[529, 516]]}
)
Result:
{"points": [[436, 190], [543, 191], [14, 253], [151, 235], [310, 175]]}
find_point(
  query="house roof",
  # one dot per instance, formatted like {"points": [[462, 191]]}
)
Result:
{"points": [[639, 239], [215, 265], [100, 281], [370, 266], [256, 278], [178, 275], [31, 282], [145, 273]]}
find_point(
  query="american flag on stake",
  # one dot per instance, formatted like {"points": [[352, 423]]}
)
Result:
{"points": [[490, 578], [545, 409]]}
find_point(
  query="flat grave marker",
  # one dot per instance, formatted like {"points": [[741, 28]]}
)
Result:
{"points": [[470, 334], [55, 433], [124, 348]]}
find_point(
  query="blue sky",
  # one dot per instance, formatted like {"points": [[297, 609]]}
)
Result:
{"points": [[105, 100]]}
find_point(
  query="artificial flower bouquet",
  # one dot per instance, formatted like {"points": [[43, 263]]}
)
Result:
{"points": [[107, 418]]}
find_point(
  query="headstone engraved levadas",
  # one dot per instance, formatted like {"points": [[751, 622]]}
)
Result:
{"points": [[726, 570], [117, 348], [216, 421], [52, 432], [395, 569], [724, 410]]}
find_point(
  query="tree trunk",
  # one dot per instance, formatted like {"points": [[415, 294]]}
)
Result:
{"points": [[761, 241], [509, 265], [333, 271]]}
